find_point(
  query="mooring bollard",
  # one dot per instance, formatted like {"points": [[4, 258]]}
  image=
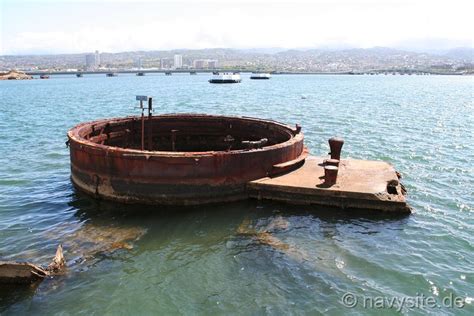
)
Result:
{"points": [[335, 144], [297, 128], [330, 175]]}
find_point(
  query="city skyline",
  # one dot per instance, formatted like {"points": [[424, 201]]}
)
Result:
{"points": [[457, 61], [54, 27]]}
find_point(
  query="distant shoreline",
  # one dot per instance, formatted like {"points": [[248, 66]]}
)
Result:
{"points": [[292, 61], [131, 71]]}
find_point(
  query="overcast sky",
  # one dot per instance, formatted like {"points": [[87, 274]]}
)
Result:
{"points": [[48, 26]]}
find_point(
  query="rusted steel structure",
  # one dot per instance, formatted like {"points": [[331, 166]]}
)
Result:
{"points": [[180, 159], [190, 159]]}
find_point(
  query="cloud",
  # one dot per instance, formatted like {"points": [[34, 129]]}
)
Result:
{"points": [[127, 26]]}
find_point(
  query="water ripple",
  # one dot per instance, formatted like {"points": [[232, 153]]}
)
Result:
{"points": [[289, 259]]}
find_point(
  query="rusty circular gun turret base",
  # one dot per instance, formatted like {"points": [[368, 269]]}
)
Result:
{"points": [[186, 159]]}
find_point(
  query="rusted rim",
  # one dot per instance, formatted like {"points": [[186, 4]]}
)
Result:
{"points": [[295, 136]]}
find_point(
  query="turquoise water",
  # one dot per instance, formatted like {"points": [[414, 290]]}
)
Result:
{"points": [[154, 260]]}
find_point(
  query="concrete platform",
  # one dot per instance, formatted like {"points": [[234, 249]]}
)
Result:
{"points": [[360, 184]]}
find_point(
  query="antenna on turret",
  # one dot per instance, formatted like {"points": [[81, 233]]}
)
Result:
{"points": [[144, 98]]}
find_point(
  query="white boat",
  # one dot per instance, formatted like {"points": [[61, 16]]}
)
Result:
{"points": [[265, 75], [226, 77]]}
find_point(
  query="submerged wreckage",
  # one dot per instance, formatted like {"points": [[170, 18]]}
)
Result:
{"points": [[82, 244], [190, 159], [25, 272]]}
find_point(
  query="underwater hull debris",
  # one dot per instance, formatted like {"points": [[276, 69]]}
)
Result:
{"points": [[187, 159], [83, 245], [12, 272], [20, 272]]}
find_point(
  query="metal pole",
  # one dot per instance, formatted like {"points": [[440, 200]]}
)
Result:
{"points": [[143, 126], [150, 122]]}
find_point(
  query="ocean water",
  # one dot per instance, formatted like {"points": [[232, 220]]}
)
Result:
{"points": [[154, 260]]}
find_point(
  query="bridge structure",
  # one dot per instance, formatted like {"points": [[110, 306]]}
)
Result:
{"points": [[133, 71], [173, 71], [196, 71]]}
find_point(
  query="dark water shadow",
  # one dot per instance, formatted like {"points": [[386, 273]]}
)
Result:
{"points": [[96, 209], [11, 294]]}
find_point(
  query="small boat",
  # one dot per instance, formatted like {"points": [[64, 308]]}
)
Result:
{"points": [[111, 74], [44, 77], [260, 76], [215, 72], [168, 73], [226, 77], [192, 72], [140, 74], [79, 75]]}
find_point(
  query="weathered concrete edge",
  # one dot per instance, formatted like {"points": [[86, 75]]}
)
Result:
{"points": [[337, 199]]}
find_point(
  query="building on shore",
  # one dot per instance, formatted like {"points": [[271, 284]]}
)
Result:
{"points": [[178, 61], [198, 63], [138, 63], [97, 58], [205, 63], [166, 63], [90, 62], [93, 61], [212, 63]]}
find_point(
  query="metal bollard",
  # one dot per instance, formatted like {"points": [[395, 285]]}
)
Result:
{"points": [[298, 128], [330, 175], [335, 144]]}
